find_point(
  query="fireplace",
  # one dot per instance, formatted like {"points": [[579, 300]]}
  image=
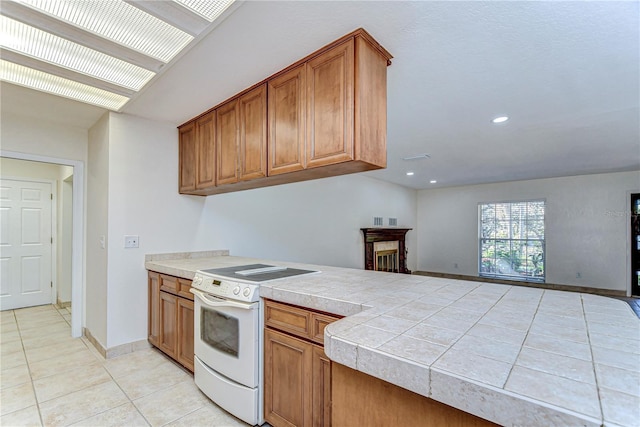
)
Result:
{"points": [[385, 249]]}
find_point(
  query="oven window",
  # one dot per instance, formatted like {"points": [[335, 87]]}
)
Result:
{"points": [[220, 331]]}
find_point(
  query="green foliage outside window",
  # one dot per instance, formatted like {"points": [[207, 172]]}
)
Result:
{"points": [[512, 240]]}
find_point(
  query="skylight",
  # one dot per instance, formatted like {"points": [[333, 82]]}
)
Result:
{"points": [[38, 80], [56, 50], [101, 52], [210, 10], [120, 22]]}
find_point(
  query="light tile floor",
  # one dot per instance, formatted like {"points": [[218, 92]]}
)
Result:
{"points": [[48, 378]]}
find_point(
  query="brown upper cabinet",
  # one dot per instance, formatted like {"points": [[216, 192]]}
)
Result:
{"points": [[205, 151], [187, 158], [325, 115]]}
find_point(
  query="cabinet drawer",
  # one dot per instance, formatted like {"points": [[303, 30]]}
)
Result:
{"points": [[184, 285], [318, 323], [290, 319], [297, 321], [168, 283]]}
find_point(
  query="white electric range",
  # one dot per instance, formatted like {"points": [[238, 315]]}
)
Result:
{"points": [[228, 341]]}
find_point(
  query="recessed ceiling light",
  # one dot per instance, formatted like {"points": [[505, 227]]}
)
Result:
{"points": [[409, 173], [433, 181], [500, 119]]}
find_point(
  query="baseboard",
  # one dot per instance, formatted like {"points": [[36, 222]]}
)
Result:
{"points": [[118, 350], [62, 304], [557, 287]]}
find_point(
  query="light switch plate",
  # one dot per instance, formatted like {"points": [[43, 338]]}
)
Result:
{"points": [[131, 241]]}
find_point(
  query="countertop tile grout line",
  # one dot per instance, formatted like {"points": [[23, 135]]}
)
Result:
{"points": [[593, 360]]}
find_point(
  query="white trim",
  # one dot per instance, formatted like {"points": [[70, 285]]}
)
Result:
{"points": [[627, 226], [77, 251]]}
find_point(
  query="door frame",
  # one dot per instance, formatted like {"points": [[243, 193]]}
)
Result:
{"points": [[54, 228], [78, 238], [627, 225]]}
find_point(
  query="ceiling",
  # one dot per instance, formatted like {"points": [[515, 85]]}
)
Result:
{"points": [[566, 73]]}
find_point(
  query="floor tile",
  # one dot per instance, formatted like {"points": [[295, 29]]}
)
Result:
{"points": [[208, 415], [10, 347], [55, 350], [16, 397], [162, 407], [46, 330], [10, 377], [59, 364], [131, 363], [82, 404], [9, 336], [147, 381], [68, 382], [10, 326], [54, 338], [27, 417], [123, 415], [11, 360]]}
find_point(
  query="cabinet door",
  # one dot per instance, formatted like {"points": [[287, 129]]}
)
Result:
{"points": [[184, 352], [168, 324], [187, 158], [287, 364], [321, 377], [330, 112], [154, 308], [205, 151], [253, 134], [227, 141], [287, 116]]}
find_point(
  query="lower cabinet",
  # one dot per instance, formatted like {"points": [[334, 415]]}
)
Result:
{"points": [[171, 317], [297, 373]]}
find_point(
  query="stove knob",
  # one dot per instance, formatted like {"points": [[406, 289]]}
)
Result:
{"points": [[236, 290], [246, 292]]}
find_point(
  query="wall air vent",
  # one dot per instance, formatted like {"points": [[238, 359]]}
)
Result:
{"points": [[378, 221], [393, 222]]}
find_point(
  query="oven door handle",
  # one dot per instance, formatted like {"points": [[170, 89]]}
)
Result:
{"points": [[222, 303]]}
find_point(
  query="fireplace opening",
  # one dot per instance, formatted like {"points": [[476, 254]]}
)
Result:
{"points": [[385, 249]]}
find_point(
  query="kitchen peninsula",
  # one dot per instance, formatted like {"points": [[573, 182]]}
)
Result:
{"points": [[508, 354]]}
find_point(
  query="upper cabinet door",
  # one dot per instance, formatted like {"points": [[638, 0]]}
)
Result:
{"points": [[287, 117], [227, 142], [330, 112], [253, 134], [187, 158], [206, 151]]}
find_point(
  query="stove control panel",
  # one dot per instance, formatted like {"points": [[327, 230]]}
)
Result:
{"points": [[224, 288]]}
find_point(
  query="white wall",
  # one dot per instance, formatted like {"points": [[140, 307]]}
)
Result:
{"points": [[586, 228], [315, 221], [144, 201], [65, 236], [97, 225], [26, 135]]}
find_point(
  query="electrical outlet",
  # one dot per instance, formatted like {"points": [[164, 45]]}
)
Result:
{"points": [[578, 276], [131, 241], [455, 265]]}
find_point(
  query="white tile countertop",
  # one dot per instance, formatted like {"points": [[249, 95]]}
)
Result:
{"points": [[513, 355]]}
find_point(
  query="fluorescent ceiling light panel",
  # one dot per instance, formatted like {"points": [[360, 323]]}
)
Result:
{"points": [[38, 80], [119, 22], [209, 10], [58, 51]]}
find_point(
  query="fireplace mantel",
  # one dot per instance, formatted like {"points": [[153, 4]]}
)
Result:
{"points": [[380, 234]]}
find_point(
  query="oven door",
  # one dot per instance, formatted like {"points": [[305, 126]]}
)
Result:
{"points": [[226, 337]]}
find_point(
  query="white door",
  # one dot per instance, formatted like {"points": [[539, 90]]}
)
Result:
{"points": [[25, 243]]}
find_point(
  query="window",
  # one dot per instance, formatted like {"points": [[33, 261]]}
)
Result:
{"points": [[512, 240]]}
